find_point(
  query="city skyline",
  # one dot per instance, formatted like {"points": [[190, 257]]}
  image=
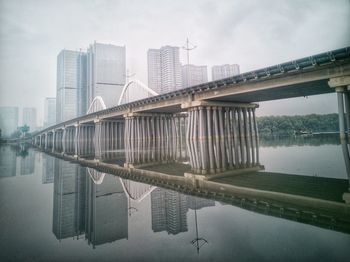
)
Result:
{"points": [[244, 43]]}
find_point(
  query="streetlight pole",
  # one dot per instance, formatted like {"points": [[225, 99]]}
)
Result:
{"points": [[188, 47]]}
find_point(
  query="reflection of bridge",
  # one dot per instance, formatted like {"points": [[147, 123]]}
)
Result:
{"points": [[221, 131], [313, 207], [134, 190]]}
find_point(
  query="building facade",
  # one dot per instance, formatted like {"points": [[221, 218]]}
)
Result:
{"points": [[67, 85], [224, 71], [29, 118], [50, 111], [8, 120], [106, 72], [194, 75], [164, 69]]}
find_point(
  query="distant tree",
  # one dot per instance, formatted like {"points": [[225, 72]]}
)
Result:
{"points": [[287, 125], [24, 129]]}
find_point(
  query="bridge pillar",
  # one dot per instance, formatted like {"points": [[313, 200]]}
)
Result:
{"points": [[221, 136], [150, 138], [97, 137], [342, 87], [53, 140]]}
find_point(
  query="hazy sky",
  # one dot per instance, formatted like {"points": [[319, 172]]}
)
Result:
{"points": [[251, 33]]}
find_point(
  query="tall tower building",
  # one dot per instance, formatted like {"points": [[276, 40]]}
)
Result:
{"points": [[224, 71], [193, 75], [67, 85], [164, 69], [8, 120], [82, 84], [50, 111], [106, 71]]}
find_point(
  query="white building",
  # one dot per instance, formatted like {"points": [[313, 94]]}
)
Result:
{"points": [[194, 75], [50, 111], [67, 85], [164, 69], [8, 120], [106, 72], [224, 71], [29, 118]]}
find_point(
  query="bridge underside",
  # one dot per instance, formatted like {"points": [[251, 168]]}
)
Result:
{"points": [[281, 92]]}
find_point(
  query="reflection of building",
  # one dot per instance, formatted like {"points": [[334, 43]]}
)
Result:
{"points": [[169, 210], [8, 120], [193, 75], [68, 200], [196, 203], [224, 71], [164, 69], [27, 163], [7, 161], [107, 211], [81, 205], [50, 111], [48, 169], [29, 118]]}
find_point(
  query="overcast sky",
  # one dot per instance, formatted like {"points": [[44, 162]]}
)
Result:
{"points": [[251, 33]]}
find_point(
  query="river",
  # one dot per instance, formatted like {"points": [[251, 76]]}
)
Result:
{"points": [[54, 208]]}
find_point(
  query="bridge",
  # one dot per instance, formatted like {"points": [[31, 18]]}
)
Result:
{"points": [[217, 118]]}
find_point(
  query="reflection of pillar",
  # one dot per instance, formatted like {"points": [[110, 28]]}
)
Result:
{"points": [[221, 136], [342, 86]]}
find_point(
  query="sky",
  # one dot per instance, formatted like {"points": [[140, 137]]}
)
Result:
{"points": [[251, 33]]}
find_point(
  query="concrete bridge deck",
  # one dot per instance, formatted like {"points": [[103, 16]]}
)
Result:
{"points": [[302, 77]]}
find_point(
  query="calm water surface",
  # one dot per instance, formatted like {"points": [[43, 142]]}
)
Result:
{"points": [[55, 210]]}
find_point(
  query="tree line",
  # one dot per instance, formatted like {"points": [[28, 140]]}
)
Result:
{"points": [[289, 125]]}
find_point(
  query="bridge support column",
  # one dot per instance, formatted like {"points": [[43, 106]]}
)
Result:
{"points": [[76, 139], [150, 138], [221, 136], [97, 138], [342, 87]]}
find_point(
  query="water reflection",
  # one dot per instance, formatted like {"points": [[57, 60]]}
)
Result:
{"points": [[95, 204], [301, 140], [103, 203], [16, 160]]}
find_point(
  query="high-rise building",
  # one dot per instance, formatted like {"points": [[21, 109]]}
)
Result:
{"points": [[194, 75], [29, 118], [67, 85], [164, 69], [106, 72], [224, 71], [50, 111], [8, 120], [82, 84]]}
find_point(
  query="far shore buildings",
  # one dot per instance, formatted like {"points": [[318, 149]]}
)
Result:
{"points": [[82, 76], [193, 75], [30, 118], [224, 71], [164, 69], [49, 111], [8, 120]]}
